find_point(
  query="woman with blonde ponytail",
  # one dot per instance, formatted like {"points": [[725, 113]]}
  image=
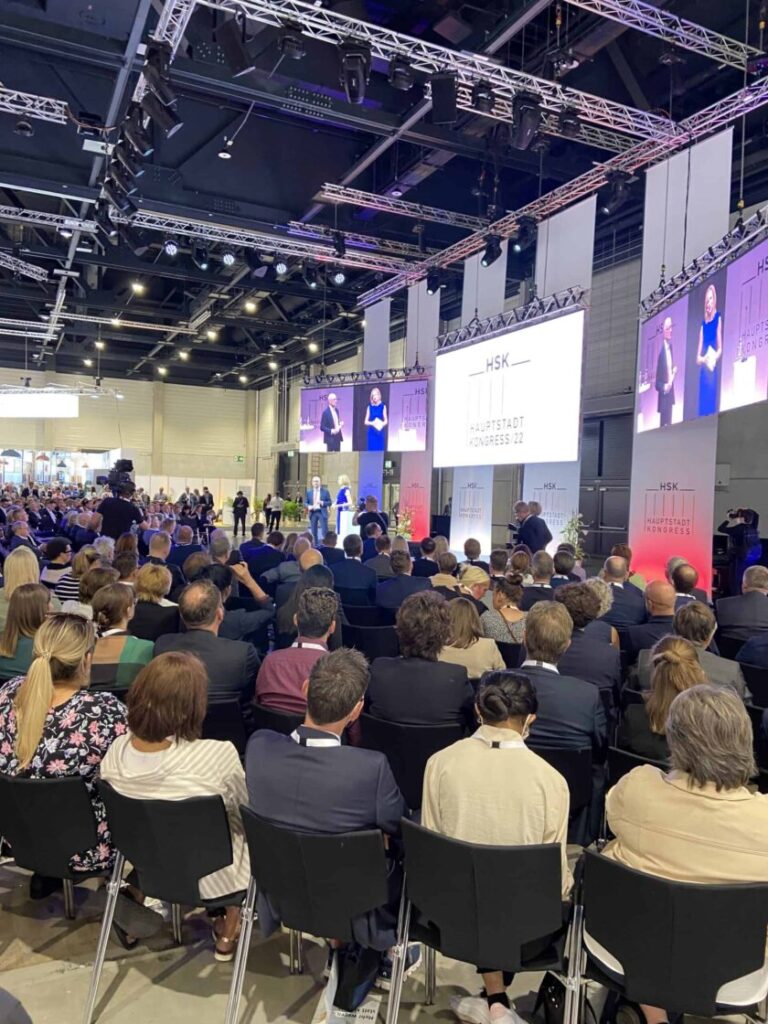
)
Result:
{"points": [[52, 726], [674, 668]]}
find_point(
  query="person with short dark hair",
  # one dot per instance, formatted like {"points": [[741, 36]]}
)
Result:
{"points": [[266, 556], [497, 569], [240, 507], [492, 789], [119, 513], [354, 582], [372, 532], [127, 566], [563, 564], [58, 556], [328, 549], [248, 548], [238, 623], [504, 621], [588, 657], [163, 757], [118, 656], [628, 607], [542, 568], [381, 563], [391, 593], [426, 564], [371, 514]]}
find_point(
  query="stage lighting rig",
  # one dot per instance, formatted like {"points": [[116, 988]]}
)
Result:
{"points": [[311, 276], [526, 118], [200, 257], [228, 257], [339, 244], [492, 250], [163, 117], [118, 198], [526, 234], [355, 69], [400, 74], [434, 280], [157, 73], [568, 123], [136, 134], [483, 97], [171, 248], [291, 43], [617, 192], [339, 277]]}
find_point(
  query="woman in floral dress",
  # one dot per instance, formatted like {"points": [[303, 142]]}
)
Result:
{"points": [[52, 726]]}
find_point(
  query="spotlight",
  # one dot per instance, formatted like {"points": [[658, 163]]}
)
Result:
{"points": [[123, 155], [137, 241], [355, 69], [272, 364], [118, 198], [242, 378], [228, 257], [313, 347], [483, 97], [280, 265], [200, 257], [183, 355], [225, 153], [526, 117], [65, 232], [116, 321], [24, 128], [122, 179], [99, 345], [400, 74], [396, 191], [568, 123], [250, 306], [291, 44], [157, 72], [492, 250], [171, 248], [339, 244], [434, 281], [311, 276], [138, 287], [526, 234], [88, 362], [256, 264], [104, 221], [339, 277], [165, 118], [443, 88], [617, 193], [135, 133], [212, 334], [162, 370]]}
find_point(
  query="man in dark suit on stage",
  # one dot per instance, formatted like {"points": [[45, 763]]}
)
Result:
{"points": [[665, 375], [531, 528], [318, 500], [331, 425]]}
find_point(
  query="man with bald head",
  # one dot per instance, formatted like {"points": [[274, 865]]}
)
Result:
{"points": [[660, 600], [184, 547], [684, 579], [666, 371], [628, 608]]}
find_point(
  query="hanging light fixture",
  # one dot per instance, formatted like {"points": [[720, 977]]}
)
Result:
{"points": [[61, 464], [42, 457], [10, 453]]}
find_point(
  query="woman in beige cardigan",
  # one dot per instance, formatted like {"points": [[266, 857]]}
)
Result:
{"points": [[468, 646]]}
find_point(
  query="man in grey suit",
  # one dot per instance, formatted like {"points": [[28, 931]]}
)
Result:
{"points": [[381, 563], [696, 622], [745, 615]]}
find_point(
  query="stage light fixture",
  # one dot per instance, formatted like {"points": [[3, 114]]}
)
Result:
{"points": [[311, 276], [183, 355], [138, 287], [136, 134], [290, 43], [396, 191], [212, 334], [24, 128], [526, 118], [88, 362], [355, 69], [118, 198], [272, 364], [250, 306], [225, 153], [125, 156], [313, 347], [162, 370], [526, 234], [339, 244], [443, 89], [200, 257], [280, 265], [99, 345], [164, 118], [434, 282], [400, 74], [617, 192], [171, 247], [137, 241], [228, 257], [339, 277], [568, 123], [492, 250], [103, 220], [65, 232], [157, 73], [242, 378], [122, 179], [483, 97], [116, 321]]}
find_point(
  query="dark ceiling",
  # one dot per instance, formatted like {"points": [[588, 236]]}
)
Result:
{"points": [[301, 133]]}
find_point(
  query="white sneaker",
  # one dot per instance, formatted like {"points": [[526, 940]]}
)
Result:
{"points": [[471, 1009], [504, 1015]]}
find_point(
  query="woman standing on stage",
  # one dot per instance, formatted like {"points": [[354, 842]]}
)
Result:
{"points": [[343, 500], [709, 353]]}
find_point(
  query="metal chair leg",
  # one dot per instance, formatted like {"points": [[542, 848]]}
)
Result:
{"points": [[113, 890], [69, 898], [573, 981], [299, 953], [430, 975], [294, 952], [176, 924], [398, 959], [241, 956]]}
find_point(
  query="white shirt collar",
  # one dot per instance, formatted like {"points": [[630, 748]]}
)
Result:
{"points": [[540, 664], [328, 740]]}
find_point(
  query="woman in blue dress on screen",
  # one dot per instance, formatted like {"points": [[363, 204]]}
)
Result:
{"points": [[709, 353], [376, 420], [343, 500]]}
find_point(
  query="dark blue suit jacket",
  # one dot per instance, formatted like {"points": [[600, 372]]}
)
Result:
{"points": [[331, 555], [263, 559], [571, 712], [391, 593], [534, 593], [181, 552], [425, 568], [640, 638], [354, 582], [628, 607], [534, 533], [591, 659], [325, 498], [742, 616]]}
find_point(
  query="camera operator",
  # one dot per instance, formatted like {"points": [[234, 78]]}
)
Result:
{"points": [[119, 513], [744, 547]]}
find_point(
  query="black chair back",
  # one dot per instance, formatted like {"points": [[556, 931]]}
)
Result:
{"points": [[171, 844], [482, 903], [317, 883], [408, 748], [757, 681], [278, 721], [621, 762], [46, 822], [224, 721], [685, 940], [373, 641], [513, 654], [630, 696], [351, 596], [756, 716], [362, 615], [576, 768], [729, 646]]}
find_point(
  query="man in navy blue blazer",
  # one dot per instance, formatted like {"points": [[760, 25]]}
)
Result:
{"points": [[588, 657], [390, 594], [531, 528], [354, 582], [248, 548], [328, 549], [426, 564], [628, 608]]}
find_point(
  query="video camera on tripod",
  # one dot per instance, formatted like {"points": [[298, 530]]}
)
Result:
{"points": [[119, 479]]}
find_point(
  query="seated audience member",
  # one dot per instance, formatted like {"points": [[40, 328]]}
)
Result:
{"points": [[391, 593], [312, 782], [68, 587], [542, 568], [51, 725], [745, 615], [415, 688], [251, 547], [504, 621], [28, 609], [399, 543], [625, 551], [281, 678], [184, 547], [85, 534], [288, 545], [288, 571], [231, 664], [154, 615], [473, 584], [660, 604], [127, 567], [354, 582], [21, 567], [578, 570], [588, 657], [328, 548], [563, 564], [520, 564], [313, 576], [695, 622], [372, 532], [426, 565], [445, 582], [675, 563], [58, 555], [628, 607], [105, 549], [497, 571], [162, 757], [684, 580], [442, 547], [267, 556], [238, 623], [194, 565], [118, 656], [381, 563], [159, 550], [93, 580], [466, 644], [599, 628], [673, 667], [472, 555], [22, 538], [497, 792], [698, 823], [127, 542]]}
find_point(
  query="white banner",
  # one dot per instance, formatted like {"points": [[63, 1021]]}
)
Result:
{"points": [[555, 485], [471, 508]]}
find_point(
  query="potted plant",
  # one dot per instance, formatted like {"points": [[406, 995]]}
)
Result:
{"points": [[575, 532], [292, 511]]}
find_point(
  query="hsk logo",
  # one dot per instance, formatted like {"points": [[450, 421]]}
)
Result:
{"points": [[497, 362], [669, 485]]}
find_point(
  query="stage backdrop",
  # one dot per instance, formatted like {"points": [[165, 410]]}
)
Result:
{"points": [[471, 508], [555, 486]]}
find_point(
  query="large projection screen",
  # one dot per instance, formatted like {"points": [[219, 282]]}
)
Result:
{"points": [[493, 400]]}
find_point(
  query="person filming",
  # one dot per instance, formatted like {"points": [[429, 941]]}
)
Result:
{"points": [[741, 528]]}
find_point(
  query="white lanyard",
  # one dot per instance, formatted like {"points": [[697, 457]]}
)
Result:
{"points": [[500, 744], [309, 647], [114, 632], [310, 741]]}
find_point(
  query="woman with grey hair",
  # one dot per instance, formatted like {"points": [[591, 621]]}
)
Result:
{"points": [[699, 822], [599, 629], [105, 549]]}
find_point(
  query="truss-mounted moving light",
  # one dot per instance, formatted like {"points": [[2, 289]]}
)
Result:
{"points": [[339, 276], [228, 257], [526, 118], [568, 123], [526, 234], [616, 192], [136, 134], [483, 97], [157, 72], [434, 281], [163, 117], [492, 250], [400, 74], [339, 244], [171, 248], [354, 69], [281, 266], [291, 44], [311, 276]]}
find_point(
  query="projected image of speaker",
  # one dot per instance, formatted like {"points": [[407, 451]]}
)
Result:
{"points": [[443, 84]]}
